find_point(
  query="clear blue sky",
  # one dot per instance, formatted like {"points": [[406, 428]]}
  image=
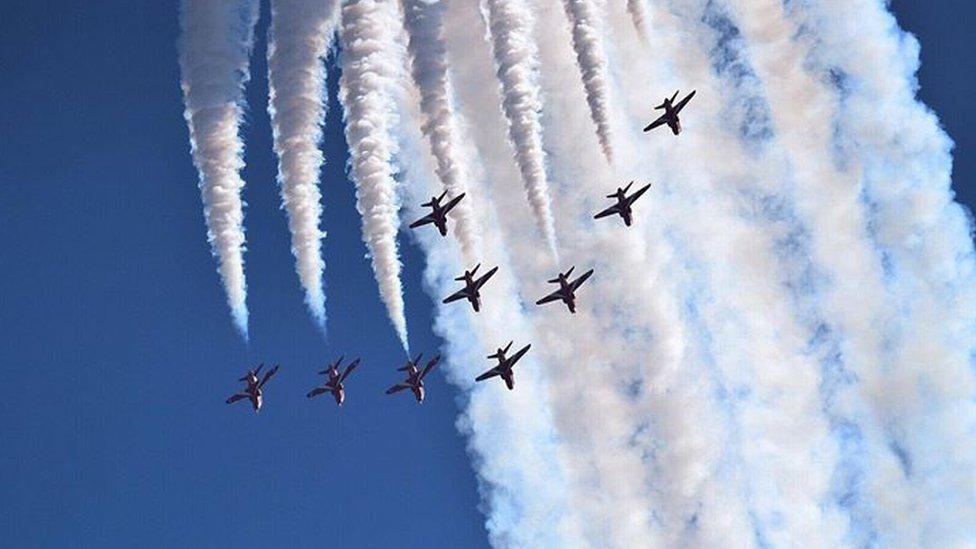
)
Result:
{"points": [[118, 349]]}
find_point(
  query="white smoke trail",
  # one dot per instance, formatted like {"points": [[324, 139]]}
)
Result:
{"points": [[510, 435], [638, 16], [371, 59], [732, 424], [215, 46], [853, 306], [510, 24], [423, 20], [587, 29], [923, 398], [778, 353], [300, 37], [590, 404]]}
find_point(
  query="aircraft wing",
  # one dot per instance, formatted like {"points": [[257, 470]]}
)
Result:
{"points": [[579, 281], [683, 102], [397, 388], [238, 396], [349, 370], [554, 296], [489, 374], [425, 220], [612, 210], [453, 202], [515, 358], [637, 194], [316, 392], [662, 120], [429, 367], [460, 294], [484, 278], [268, 376]]}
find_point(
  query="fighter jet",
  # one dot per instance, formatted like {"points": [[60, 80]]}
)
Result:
{"points": [[670, 116], [334, 385], [253, 391], [505, 364], [624, 202], [415, 377], [471, 287], [567, 289], [439, 216]]}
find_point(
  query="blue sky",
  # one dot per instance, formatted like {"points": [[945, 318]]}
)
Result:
{"points": [[118, 347]]}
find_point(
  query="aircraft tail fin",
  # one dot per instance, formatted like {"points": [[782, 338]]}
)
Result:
{"points": [[413, 363]]}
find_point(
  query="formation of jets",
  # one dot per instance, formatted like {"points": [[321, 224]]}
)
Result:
{"points": [[253, 390]]}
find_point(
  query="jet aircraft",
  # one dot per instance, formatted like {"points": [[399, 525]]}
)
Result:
{"points": [[567, 289], [472, 287], [671, 110], [415, 377], [624, 203], [254, 389], [439, 214], [505, 364], [335, 383]]}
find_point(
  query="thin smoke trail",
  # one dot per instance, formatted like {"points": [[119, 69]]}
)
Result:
{"points": [[301, 35], [424, 23], [215, 46], [370, 60], [638, 16], [586, 28], [510, 24]]}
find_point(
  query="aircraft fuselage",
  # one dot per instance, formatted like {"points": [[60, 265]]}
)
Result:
{"points": [[569, 297], [256, 397]]}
